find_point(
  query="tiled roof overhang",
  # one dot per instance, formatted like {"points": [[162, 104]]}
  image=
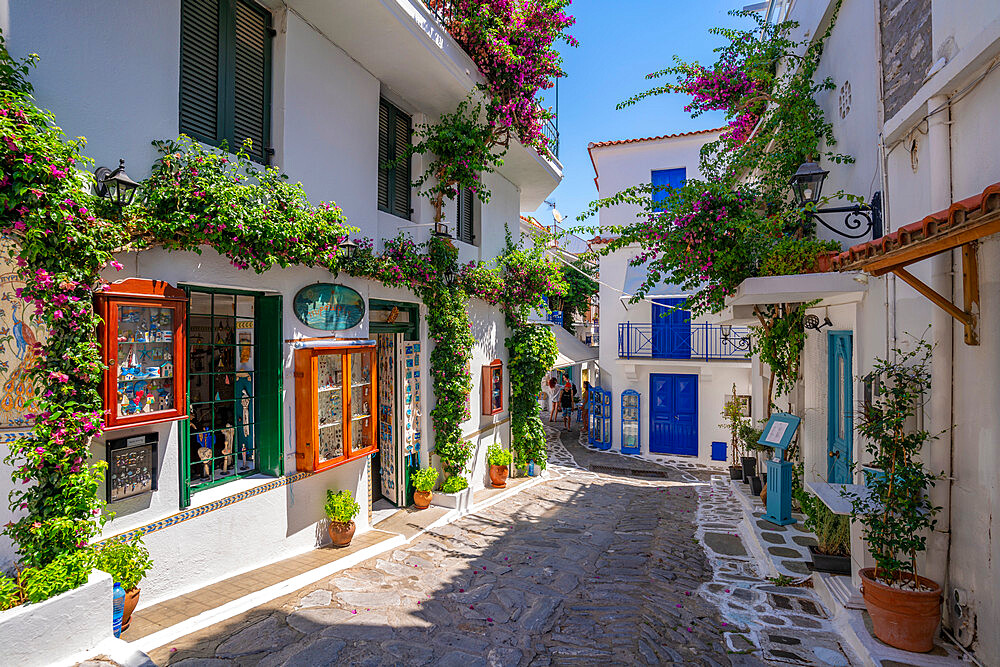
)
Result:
{"points": [[963, 222]]}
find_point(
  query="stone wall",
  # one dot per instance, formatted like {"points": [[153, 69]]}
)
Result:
{"points": [[906, 50]]}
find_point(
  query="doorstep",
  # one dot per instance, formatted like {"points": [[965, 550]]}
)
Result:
{"points": [[780, 550], [160, 623], [854, 625], [171, 619]]}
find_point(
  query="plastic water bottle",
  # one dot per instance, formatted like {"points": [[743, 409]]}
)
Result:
{"points": [[531, 468], [119, 608]]}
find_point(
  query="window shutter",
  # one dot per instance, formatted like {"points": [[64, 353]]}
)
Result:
{"points": [[383, 156], [465, 215], [401, 187], [268, 389], [250, 59], [200, 47]]}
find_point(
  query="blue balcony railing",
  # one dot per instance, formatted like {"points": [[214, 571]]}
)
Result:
{"points": [[697, 341]]}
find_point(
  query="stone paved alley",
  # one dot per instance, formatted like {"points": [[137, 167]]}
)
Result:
{"points": [[588, 568]]}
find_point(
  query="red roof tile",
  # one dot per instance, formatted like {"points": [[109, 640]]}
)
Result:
{"points": [[600, 144], [933, 225]]}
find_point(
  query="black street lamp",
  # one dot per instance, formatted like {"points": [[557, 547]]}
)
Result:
{"points": [[811, 321], [115, 185], [739, 342], [807, 186], [347, 249]]}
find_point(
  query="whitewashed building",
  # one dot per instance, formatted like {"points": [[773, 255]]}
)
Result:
{"points": [[681, 370], [323, 89], [916, 94]]}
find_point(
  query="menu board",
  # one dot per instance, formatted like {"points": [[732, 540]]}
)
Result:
{"points": [[131, 466]]}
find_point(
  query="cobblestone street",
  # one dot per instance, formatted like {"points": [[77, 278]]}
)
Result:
{"points": [[588, 568]]}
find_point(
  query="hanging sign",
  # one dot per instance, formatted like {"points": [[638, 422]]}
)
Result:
{"points": [[329, 307]]}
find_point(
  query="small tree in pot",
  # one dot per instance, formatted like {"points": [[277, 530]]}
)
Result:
{"points": [[735, 422], [127, 563], [341, 508], [423, 483], [499, 460], [896, 514]]}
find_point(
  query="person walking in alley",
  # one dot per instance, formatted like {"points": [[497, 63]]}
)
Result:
{"points": [[586, 407], [554, 391], [566, 402]]}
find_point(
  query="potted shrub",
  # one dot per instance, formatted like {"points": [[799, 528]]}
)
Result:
{"points": [[499, 460], [732, 412], [127, 563], [341, 508], [832, 551], [896, 513], [423, 483], [454, 484]]}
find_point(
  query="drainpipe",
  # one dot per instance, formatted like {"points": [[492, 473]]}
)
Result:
{"points": [[941, 416]]}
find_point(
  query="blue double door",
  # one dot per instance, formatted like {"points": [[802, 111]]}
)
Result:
{"points": [[670, 329], [673, 414]]}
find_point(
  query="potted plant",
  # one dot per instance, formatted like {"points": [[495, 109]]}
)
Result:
{"points": [[127, 563], [896, 513], [732, 412], [341, 508], [499, 460], [454, 484], [832, 551], [423, 482]]}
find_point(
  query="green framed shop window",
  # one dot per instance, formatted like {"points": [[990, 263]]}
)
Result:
{"points": [[234, 388], [225, 74], [394, 133]]}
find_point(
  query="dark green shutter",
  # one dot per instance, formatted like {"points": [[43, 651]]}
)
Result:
{"points": [[393, 164], [225, 92], [200, 65], [268, 392], [251, 46], [465, 216]]}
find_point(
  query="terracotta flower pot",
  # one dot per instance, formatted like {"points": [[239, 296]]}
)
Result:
{"points": [[824, 261], [131, 600], [422, 499], [498, 476], [905, 619], [341, 533]]}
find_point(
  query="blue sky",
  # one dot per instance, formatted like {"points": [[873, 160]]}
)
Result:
{"points": [[620, 42]]}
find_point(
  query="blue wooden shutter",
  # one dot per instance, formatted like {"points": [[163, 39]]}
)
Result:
{"points": [[673, 178]]}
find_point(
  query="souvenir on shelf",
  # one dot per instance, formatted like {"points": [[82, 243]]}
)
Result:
{"points": [[142, 346], [333, 405], [492, 388]]}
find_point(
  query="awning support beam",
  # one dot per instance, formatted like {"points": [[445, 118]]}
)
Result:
{"points": [[970, 290], [966, 317]]}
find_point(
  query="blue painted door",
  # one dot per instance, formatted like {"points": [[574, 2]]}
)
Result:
{"points": [[671, 329], [840, 404], [673, 414], [666, 177]]}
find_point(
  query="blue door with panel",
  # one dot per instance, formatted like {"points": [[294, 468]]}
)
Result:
{"points": [[671, 329], [673, 414], [840, 404]]}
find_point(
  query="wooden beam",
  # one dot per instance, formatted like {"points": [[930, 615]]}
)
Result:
{"points": [[914, 252], [915, 283], [970, 290]]}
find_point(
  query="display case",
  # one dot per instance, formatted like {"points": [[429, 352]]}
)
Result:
{"points": [[334, 404], [492, 388], [630, 422], [142, 346]]}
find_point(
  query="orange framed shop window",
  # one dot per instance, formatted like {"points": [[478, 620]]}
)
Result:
{"points": [[142, 345], [334, 405], [492, 388]]}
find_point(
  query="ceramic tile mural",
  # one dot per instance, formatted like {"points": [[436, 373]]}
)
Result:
{"points": [[386, 415], [19, 331], [411, 399]]}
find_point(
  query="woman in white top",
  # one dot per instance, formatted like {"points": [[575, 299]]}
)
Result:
{"points": [[554, 392]]}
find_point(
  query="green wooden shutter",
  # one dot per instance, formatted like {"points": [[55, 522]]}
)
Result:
{"points": [[464, 231], [200, 65], [384, 155], [269, 387], [393, 142], [251, 49], [401, 186]]}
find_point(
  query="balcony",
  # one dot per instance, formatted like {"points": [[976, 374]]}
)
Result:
{"points": [[695, 342], [446, 12]]}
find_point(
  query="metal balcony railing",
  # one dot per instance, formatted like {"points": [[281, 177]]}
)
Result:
{"points": [[447, 14], [697, 341]]}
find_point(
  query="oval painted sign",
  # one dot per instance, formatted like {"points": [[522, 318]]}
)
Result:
{"points": [[329, 307]]}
